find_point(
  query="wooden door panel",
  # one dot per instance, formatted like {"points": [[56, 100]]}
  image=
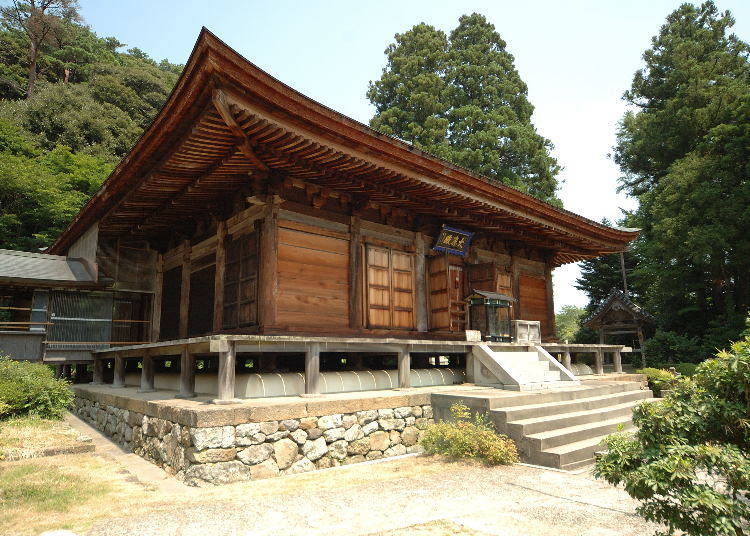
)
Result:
{"points": [[313, 276], [390, 288], [533, 300]]}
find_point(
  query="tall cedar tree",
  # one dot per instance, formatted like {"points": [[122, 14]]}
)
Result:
{"points": [[685, 154], [410, 96], [44, 22], [462, 99]]}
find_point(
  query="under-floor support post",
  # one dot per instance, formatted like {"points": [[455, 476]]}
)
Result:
{"points": [[147, 374], [187, 374], [567, 362], [312, 369], [227, 360], [404, 369], [98, 378], [119, 377], [617, 359], [599, 361]]}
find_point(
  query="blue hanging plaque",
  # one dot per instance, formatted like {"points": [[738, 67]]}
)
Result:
{"points": [[453, 241]]}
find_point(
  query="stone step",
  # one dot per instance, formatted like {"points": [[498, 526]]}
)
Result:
{"points": [[571, 456], [548, 396], [545, 423], [518, 413], [573, 434]]}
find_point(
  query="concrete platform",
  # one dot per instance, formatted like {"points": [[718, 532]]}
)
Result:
{"points": [[200, 412]]}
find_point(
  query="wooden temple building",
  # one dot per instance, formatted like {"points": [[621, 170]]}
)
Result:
{"points": [[252, 228]]}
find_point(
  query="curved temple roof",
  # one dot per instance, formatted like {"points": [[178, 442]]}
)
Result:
{"points": [[227, 123]]}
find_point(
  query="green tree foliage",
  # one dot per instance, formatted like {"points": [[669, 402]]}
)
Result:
{"points": [[88, 105], [45, 23], [41, 191], [684, 150], [461, 98], [410, 96], [687, 463], [568, 322]]}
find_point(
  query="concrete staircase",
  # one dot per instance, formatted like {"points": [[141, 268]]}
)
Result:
{"points": [[564, 429], [518, 368], [560, 428]]}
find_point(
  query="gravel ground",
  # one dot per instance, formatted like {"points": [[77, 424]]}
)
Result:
{"points": [[399, 497], [407, 496]]}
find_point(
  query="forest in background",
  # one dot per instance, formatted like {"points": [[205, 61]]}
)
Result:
{"points": [[684, 151], [71, 105]]}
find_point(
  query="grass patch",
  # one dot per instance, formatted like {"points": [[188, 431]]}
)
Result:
{"points": [[17, 431], [24, 436], [43, 488]]}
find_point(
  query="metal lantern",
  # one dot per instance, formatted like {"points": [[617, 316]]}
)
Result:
{"points": [[489, 313]]}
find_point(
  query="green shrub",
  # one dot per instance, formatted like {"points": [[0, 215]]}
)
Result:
{"points": [[688, 462], [658, 379], [469, 437], [30, 388], [666, 348], [686, 369]]}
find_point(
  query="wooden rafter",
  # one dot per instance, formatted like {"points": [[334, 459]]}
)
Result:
{"points": [[221, 105]]}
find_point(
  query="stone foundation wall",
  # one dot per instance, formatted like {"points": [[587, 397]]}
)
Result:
{"points": [[254, 450]]}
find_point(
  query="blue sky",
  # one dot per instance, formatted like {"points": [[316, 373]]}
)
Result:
{"points": [[577, 58]]}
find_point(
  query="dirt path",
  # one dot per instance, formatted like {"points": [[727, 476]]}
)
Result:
{"points": [[414, 496]]}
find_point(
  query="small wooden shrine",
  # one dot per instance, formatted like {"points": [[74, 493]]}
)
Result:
{"points": [[619, 315]]}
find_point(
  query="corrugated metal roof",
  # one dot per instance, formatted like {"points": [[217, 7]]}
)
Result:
{"points": [[21, 267]]}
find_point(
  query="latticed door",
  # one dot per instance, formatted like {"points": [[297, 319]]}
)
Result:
{"points": [[241, 282]]}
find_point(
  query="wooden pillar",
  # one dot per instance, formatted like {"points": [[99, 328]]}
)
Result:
{"points": [[147, 374], [119, 377], [643, 350], [617, 359], [567, 362], [227, 359], [58, 371], [551, 330], [156, 301], [268, 276], [187, 374], [312, 369], [404, 369], [185, 290], [515, 282], [599, 361], [66, 371], [355, 274], [420, 292], [221, 258], [98, 377]]}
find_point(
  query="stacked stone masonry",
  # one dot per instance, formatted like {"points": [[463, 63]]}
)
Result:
{"points": [[256, 450]]}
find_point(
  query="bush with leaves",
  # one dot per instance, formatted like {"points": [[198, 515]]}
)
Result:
{"points": [[688, 462], [469, 436], [658, 379], [31, 389]]}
